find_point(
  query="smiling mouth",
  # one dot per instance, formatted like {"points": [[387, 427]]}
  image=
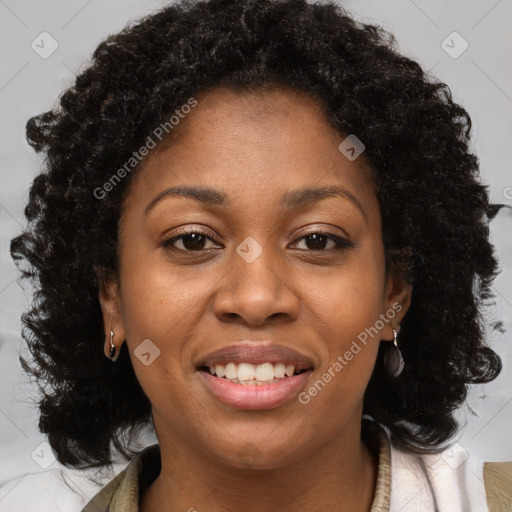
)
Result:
{"points": [[249, 374], [251, 387]]}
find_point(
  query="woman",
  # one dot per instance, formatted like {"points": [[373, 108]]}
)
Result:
{"points": [[273, 224]]}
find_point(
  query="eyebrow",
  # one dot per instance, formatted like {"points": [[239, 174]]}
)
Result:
{"points": [[293, 199]]}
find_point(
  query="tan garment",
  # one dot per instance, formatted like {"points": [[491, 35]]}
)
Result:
{"points": [[498, 485]]}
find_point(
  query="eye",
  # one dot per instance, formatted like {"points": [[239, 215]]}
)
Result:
{"points": [[319, 239], [192, 240]]}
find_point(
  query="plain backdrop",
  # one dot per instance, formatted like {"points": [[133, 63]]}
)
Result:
{"points": [[474, 61]]}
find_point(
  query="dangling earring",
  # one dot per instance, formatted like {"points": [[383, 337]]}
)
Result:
{"points": [[112, 347], [393, 360]]}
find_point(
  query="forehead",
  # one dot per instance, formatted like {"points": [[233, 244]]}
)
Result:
{"points": [[224, 113], [264, 142]]}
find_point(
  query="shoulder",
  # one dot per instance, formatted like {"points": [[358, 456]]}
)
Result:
{"points": [[54, 490], [452, 479], [122, 492]]}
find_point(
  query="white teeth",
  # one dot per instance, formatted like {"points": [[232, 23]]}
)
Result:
{"points": [[247, 371], [264, 371], [231, 371], [279, 370], [250, 374]]}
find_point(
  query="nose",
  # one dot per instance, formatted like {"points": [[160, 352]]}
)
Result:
{"points": [[256, 292]]}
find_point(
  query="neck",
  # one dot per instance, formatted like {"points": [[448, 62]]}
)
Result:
{"points": [[340, 476]]}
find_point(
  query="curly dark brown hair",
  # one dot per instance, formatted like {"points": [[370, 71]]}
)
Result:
{"points": [[435, 210]]}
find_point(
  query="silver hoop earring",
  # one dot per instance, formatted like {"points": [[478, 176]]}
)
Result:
{"points": [[112, 346], [393, 360]]}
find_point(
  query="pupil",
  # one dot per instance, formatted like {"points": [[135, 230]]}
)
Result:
{"points": [[197, 241], [315, 238]]}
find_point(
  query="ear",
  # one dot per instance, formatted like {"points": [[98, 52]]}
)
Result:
{"points": [[110, 303], [397, 299]]}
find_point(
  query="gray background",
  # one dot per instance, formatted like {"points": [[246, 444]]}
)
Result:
{"points": [[480, 79]]}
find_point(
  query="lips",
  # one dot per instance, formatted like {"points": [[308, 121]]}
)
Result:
{"points": [[252, 398], [234, 376], [256, 352]]}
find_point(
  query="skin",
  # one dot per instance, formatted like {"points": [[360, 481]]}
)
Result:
{"points": [[255, 147]]}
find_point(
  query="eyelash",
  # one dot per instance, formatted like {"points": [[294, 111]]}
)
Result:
{"points": [[342, 243]]}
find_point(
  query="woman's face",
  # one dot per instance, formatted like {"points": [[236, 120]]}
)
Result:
{"points": [[253, 274]]}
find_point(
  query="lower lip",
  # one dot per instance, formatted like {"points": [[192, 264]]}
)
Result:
{"points": [[265, 396]]}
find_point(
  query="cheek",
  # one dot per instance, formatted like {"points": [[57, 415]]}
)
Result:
{"points": [[348, 310], [352, 299], [156, 312], [158, 300], [349, 353], [160, 310]]}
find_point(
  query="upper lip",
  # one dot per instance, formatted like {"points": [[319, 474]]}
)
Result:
{"points": [[256, 353]]}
